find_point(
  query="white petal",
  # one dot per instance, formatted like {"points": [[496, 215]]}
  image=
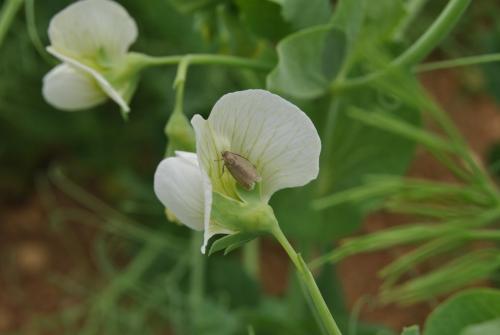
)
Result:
{"points": [[99, 78], [178, 185], [272, 133], [91, 28], [68, 89]]}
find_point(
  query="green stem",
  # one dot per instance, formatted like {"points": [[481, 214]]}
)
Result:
{"points": [[413, 8], [435, 34], [9, 11], [465, 61], [178, 131], [464, 152], [307, 279], [484, 235], [206, 59], [180, 83], [29, 11], [419, 50]]}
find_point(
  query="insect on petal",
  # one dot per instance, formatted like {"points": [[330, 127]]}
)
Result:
{"points": [[270, 132]]}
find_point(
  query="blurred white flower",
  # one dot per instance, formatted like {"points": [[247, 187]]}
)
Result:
{"points": [[91, 38], [272, 134]]}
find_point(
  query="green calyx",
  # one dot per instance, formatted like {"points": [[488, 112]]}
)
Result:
{"points": [[122, 74], [249, 215]]}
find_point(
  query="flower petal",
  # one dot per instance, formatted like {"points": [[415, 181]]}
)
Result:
{"points": [[178, 185], [103, 83], [68, 89], [92, 28], [272, 133]]}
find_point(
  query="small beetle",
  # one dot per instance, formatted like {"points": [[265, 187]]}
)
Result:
{"points": [[241, 169]]}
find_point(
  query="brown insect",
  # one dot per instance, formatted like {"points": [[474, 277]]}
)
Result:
{"points": [[241, 169]]}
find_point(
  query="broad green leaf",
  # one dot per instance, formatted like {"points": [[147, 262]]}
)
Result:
{"points": [[348, 17], [464, 309], [308, 62], [486, 328], [413, 330], [188, 6], [383, 18], [264, 18], [306, 13], [354, 151], [295, 215]]}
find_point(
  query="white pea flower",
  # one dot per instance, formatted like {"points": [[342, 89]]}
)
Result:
{"points": [[277, 141], [91, 38]]}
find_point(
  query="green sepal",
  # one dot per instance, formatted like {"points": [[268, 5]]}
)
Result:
{"points": [[242, 216], [231, 242], [248, 218]]}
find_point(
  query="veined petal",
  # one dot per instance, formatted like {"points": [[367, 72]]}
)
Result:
{"points": [[208, 148], [108, 89], [93, 28], [272, 133], [68, 89], [179, 186]]}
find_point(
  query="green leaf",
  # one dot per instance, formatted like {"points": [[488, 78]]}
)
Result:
{"points": [[231, 242], [348, 17], [465, 309], [383, 18], [306, 13], [308, 62], [354, 151], [264, 18], [486, 328], [189, 6], [413, 330]]}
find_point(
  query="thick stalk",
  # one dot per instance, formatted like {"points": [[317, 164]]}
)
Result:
{"points": [[465, 61], [206, 59], [308, 282]]}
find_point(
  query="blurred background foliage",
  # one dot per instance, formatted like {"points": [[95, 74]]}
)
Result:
{"points": [[141, 274]]}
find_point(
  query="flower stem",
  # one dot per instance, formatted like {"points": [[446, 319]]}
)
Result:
{"points": [[308, 282], [208, 59], [178, 131], [419, 50], [29, 12], [465, 61]]}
